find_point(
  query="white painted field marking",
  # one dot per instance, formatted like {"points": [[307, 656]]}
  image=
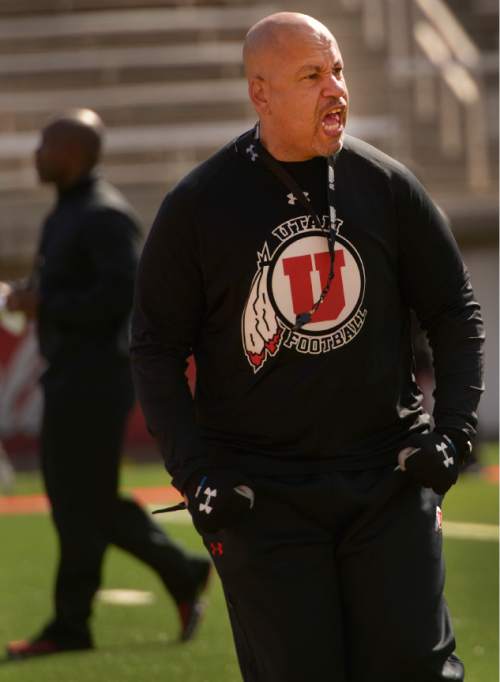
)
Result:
{"points": [[470, 531], [126, 597]]}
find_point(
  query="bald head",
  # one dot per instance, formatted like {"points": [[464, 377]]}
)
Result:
{"points": [[70, 147], [267, 40]]}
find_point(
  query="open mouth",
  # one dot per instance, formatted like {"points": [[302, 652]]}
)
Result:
{"points": [[332, 122]]}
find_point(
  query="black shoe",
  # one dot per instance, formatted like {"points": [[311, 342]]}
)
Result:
{"points": [[191, 610], [43, 646]]}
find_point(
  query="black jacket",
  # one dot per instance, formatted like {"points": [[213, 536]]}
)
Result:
{"points": [[85, 274], [230, 260]]}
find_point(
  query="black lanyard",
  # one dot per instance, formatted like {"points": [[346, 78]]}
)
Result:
{"points": [[286, 179]]}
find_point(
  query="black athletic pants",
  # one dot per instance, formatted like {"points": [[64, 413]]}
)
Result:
{"points": [[81, 441], [338, 578]]}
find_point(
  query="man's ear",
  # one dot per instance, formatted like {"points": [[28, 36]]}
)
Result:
{"points": [[258, 92]]}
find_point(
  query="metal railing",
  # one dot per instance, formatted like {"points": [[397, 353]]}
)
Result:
{"points": [[429, 50]]}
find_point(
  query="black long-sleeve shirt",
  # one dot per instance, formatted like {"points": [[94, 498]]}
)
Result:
{"points": [[85, 274], [231, 259]]}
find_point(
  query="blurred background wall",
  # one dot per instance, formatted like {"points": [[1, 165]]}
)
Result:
{"points": [[167, 79]]}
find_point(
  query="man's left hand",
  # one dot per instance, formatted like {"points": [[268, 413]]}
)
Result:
{"points": [[217, 499], [431, 459]]}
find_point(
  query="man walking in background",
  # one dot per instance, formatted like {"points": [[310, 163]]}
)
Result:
{"points": [[288, 264], [81, 294]]}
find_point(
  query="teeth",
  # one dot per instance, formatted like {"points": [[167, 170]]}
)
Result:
{"points": [[335, 112], [332, 125]]}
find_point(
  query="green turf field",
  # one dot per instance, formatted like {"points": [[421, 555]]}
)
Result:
{"points": [[138, 642]]}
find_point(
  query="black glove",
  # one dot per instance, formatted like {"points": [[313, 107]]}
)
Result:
{"points": [[218, 498], [436, 459]]}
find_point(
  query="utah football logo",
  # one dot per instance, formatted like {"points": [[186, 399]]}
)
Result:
{"points": [[289, 280]]}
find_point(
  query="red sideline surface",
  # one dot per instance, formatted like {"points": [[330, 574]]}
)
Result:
{"points": [[39, 504], [491, 473]]}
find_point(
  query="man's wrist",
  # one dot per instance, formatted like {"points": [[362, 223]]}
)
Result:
{"points": [[182, 479]]}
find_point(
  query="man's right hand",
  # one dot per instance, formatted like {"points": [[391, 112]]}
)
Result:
{"points": [[217, 499], [432, 460]]}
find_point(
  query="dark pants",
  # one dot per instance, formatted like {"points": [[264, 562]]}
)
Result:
{"points": [[338, 578], [82, 434]]}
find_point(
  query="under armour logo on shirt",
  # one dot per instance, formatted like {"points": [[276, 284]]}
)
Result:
{"points": [[205, 506], [447, 461], [331, 177], [251, 150], [292, 199]]}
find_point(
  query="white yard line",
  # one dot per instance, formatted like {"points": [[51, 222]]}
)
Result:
{"points": [[470, 531], [125, 597]]}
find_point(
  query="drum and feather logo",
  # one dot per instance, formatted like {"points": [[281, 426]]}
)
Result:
{"points": [[289, 279]]}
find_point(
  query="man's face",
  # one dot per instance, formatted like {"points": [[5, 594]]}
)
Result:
{"points": [[306, 97], [51, 157]]}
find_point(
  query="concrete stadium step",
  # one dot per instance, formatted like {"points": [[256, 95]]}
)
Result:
{"points": [[142, 114], [113, 75], [130, 104], [23, 7], [127, 27], [46, 65], [194, 92], [159, 36]]}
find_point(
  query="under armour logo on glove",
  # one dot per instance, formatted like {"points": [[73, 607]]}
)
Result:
{"points": [[447, 461], [431, 460], [209, 493], [218, 498]]}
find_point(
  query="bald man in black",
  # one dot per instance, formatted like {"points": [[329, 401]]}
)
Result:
{"points": [[81, 294], [289, 264]]}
